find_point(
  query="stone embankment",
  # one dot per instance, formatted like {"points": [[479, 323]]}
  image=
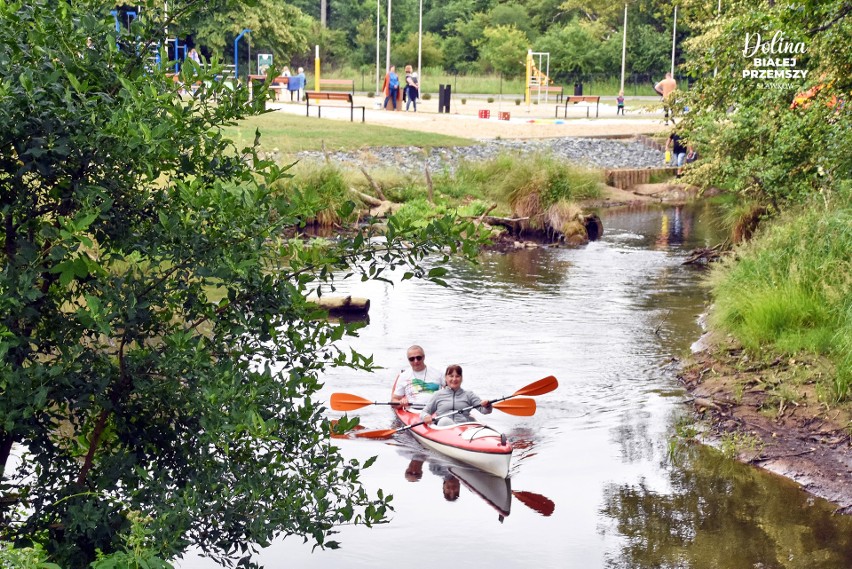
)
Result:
{"points": [[592, 152]]}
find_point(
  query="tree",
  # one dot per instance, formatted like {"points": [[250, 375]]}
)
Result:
{"points": [[406, 53], [276, 26], [503, 49], [158, 358], [775, 141]]}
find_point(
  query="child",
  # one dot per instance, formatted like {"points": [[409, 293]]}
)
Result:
{"points": [[620, 101]]}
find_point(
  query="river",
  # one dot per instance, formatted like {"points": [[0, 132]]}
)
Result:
{"points": [[595, 481]]}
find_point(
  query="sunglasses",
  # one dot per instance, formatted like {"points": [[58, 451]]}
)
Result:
{"points": [[415, 359]]}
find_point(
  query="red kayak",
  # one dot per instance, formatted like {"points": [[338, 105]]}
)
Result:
{"points": [[472, 443]]}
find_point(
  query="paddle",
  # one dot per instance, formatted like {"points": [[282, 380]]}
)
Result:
{"points": [[521, 408], [541, 504], [540, 387], [349, 402]]}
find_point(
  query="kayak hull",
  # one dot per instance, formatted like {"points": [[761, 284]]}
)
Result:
{"points": [[472, 443]]}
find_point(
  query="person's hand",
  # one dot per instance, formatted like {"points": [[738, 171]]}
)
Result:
{"points": [[403, 402], [486, 403], [427, 420]]}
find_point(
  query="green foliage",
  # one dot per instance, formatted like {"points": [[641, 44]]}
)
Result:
{"points": [[752, 134], [503, 49], [157, 353], [431, 51], [24, 557], [790, 289], [277, 26], [317, 195]]}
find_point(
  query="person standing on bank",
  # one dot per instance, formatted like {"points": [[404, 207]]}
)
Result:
{"points": [[453, 398], [678, 151], [414, 386], [665, 88], [393, 87], [412, 88]]}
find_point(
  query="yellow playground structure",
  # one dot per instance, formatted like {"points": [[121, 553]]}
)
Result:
{"points": [[537, 79]]}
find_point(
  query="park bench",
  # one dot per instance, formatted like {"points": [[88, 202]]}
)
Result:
{"points": [[557, 89], [574, 99], [349, 84], [317, 96]]}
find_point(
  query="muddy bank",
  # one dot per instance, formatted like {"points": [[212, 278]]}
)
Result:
{"points": [[785, 430]]}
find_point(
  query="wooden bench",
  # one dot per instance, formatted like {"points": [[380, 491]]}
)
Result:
{"points": [[580, 99], [558, 89], [326, 96], [348, 83]]}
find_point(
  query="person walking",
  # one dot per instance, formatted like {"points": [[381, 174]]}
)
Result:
{"points": [[412, 88], [665, 88]]}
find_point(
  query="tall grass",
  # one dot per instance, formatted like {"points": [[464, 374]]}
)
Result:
{"points": [[790, 289], [316, 194]]}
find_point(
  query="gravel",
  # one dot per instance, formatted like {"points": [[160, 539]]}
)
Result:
{"points": [[593, 152]]}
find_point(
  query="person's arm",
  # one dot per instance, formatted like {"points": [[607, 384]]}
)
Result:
{"points": [[429, 410], [398, 395], [482, 405]]}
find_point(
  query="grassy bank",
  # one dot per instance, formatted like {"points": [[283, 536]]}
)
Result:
{"points": [[538, 187], [292, 133], [788, 293]]}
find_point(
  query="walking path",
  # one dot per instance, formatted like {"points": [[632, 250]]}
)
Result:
{"points": [[536, 121]]}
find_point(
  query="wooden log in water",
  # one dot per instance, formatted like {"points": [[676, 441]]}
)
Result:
{"points": [[342, 305]]}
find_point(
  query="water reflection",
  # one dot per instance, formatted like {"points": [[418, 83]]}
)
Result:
{"points": [[606, 320], [720, 513]]}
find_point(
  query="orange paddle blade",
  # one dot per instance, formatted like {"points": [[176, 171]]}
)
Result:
{"points": [[540, 387], [541, 504], [519, 407], [348, 402], [385, 434]]}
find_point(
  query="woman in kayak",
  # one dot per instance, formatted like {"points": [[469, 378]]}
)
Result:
{"points": [[453, 398]]}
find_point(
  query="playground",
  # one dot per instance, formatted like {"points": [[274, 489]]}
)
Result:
{"points": [[537, 121]]}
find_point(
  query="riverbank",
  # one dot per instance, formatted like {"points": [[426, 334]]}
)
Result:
{"points": [[749, 408]]}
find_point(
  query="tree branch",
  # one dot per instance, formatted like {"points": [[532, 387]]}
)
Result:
{"points": [[844, 11]]}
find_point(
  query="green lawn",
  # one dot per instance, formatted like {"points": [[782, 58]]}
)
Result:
{"points": [[292, 133]]}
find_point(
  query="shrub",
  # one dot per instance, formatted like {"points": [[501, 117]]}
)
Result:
{"points": [[464, 101], [371, 94], [517, 102], [490, 99], [426, 96]]}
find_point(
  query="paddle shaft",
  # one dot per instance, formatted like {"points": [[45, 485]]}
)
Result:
{"points": [[451, 413]]}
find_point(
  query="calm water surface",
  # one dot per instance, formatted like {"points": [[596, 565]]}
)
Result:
{"points": [[592, 482]]}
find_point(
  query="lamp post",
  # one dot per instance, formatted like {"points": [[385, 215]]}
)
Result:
{"points": [[624, 48], [387, 54], [420, 44], [378, 25], [674, 37]]}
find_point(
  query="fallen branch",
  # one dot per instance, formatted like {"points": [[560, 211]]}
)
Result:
{"points": [[373, 184], [486, 212]]}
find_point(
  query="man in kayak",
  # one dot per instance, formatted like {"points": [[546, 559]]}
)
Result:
{"points": [[414, 386], [453, 398]]}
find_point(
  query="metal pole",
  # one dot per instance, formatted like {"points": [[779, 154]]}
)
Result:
{"points": [[718, 15], [624, 48], [420, 44], [378, 25], [674, 37], [387, 49]]}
